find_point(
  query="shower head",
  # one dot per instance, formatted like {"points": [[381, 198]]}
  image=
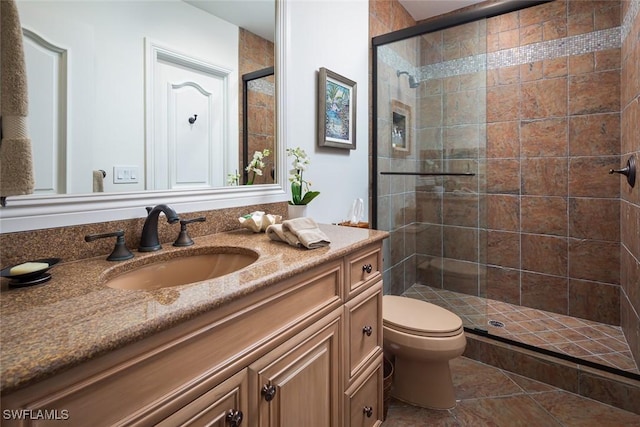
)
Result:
{"points": [[413, 83]]}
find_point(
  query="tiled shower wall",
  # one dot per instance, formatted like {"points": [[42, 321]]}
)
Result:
{"points": [[630, 198], [555, 230], [553, 132]]}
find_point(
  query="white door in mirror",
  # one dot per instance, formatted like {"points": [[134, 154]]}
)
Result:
{"points": [[190, 105]]}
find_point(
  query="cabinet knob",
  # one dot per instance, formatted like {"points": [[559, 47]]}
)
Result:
{"points": [[234, 418], [368, 411], [368, 268], [269, 392], [368, 330]]}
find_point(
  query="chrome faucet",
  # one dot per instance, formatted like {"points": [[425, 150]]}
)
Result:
{"points": [[149, 241]]}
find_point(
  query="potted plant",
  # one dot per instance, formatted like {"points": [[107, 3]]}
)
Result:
{"points": [[301, 195]]}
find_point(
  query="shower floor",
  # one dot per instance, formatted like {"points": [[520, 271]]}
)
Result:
{"points": [[585, 339]]}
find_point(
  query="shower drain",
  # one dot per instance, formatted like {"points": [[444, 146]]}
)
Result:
{"points": [[496, 323]]}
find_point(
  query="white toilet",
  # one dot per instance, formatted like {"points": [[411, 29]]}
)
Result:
{"points": [[422, 337]]}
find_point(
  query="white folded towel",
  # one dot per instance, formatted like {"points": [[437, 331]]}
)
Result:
{"points": [[299, 232]]}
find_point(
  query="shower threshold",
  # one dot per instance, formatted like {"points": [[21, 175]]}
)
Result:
{"points": [[582, 339]]}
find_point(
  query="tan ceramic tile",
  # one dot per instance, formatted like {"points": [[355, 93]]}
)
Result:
{"points": [[544, 292], [544, 176], [502, 103], [511, 410], [543, 138], [502, 139], [543, 98], [594, 218], [474, 380], [594, 93], [544, 254], [544, 215], [572, 410], [501, 176], [594, 134]]}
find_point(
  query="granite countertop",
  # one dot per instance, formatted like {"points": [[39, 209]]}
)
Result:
{"points": [[74, 317]]}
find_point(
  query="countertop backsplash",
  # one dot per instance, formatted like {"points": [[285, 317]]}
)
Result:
{"points": [[68, 243]]}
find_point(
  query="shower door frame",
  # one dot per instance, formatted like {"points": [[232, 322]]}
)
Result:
{"points": [[482, 11]]}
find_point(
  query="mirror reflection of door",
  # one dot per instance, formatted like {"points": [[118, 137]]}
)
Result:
{"points": [[189, 129], [47, 122]]}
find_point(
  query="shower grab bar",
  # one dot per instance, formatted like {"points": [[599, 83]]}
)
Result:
{"points": [[430, 173]]}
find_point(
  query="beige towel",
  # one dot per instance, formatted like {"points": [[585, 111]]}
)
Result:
{"points": [[277, 233], [300, 232], [16, 158], [98, 181]]}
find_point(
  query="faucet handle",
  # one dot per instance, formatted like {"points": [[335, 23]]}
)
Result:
{"points": [[120, 251], [183, 238]]}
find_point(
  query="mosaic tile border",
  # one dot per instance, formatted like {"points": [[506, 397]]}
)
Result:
{"points": [[262, 86], [574, 45]]}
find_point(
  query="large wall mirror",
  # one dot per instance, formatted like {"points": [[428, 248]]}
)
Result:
{"points": [[140, 102]]}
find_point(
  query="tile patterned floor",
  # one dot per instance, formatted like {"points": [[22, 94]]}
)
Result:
{"points": [[488, 396], [593, 341]]}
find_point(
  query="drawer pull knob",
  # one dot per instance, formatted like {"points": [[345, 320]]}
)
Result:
{"points": [[234, 418], [269, 392], [367, 330], [368, 268], [368, 411]]}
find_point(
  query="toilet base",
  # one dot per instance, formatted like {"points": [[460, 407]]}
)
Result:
{"points": [[426, 384]]}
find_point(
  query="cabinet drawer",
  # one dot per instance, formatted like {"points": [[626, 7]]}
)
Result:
{"points": [[363, 400], [362, 266], [216, 407], [363, 328]]}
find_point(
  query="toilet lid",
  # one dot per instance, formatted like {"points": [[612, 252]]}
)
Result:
{"points": [[418, 317]]}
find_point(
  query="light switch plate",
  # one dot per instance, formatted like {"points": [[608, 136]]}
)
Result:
{"points": [[125, 174]]}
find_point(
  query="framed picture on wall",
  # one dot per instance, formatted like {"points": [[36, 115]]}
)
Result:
{"points": [[336, 110]]}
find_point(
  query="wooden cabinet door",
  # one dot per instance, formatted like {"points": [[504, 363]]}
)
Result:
{"points": [[298, 384], [226, 405]]}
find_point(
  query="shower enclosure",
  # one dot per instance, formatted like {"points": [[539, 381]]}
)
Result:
{"points": [[495, 129]]}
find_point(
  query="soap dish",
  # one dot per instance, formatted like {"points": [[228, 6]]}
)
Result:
{"points": [[31, 278]]}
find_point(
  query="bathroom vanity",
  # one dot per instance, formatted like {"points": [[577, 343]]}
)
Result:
{"points": [[294, 339]]}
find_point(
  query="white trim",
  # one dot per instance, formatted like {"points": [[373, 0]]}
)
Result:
{"points": [[37, 212]]}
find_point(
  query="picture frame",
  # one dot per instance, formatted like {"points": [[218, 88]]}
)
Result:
{"points": [[336, 110]]}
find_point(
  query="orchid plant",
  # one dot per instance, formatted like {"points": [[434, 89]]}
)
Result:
{"points": [[300, 193], [254, 169], [256, 164]]}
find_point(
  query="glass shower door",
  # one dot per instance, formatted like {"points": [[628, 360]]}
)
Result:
{"points": [[430, 142]]}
